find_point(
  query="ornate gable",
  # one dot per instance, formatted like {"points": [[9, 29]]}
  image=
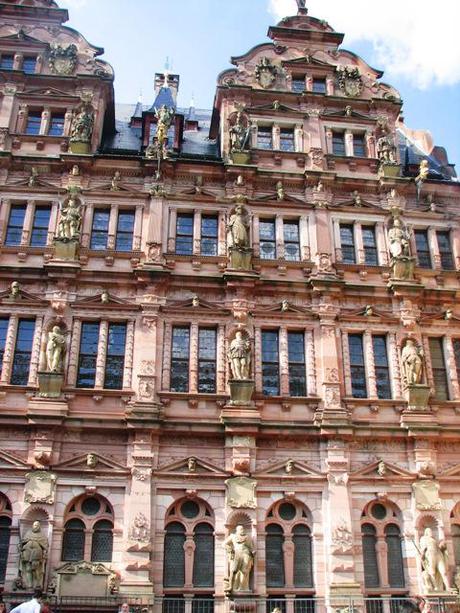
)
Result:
{"points": [[9, 461], [96, 464], [293, 468], [193, 467], [381, 470]]}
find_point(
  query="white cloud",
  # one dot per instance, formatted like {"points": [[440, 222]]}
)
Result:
{"points": [[415, 39]]}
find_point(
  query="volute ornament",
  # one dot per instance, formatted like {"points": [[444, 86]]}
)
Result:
{"points": [[265, 72], [62, 58], [350, 81]]}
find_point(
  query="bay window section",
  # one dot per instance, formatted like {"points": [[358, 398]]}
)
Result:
{"points": [[184, 234], [291, 241], [115, 357], [6, 61], [22, 352], [270, 363], [40, 224], [125, 231], [347, 244], [209, 234], [207, 360], [357, 368], [29, 63], [382, 370], [438, 368], [180, 359], [15, 225], [267, 236], [89, 339], [100, 229], [296, 363], [369, 245], [298, 85], [319, 86]]}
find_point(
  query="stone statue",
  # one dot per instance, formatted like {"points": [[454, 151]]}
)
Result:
{"points": [[140, 528], [239, 356], [381, 468], [280, 191], [191, 465], [33, 551], [195, 301], [164, 115], [82, 126], [15, 290], [105, 298], [386, 149], [91, 460], [412, 359], [33, 177], [434, 562], [238, 228], [55, 350], [70, 221], [399, 239], [115, 183], [289, 466], [423, 172], [239, 133], [241, 556]]}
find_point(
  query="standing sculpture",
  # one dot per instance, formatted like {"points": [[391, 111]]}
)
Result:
{"points": [[241, 560], [239, 133], [70, 221], [412, 359], [239, 356], [238, 232], [33, 552], [434, 563], [55, 350], [82, 126], [402, 264]]}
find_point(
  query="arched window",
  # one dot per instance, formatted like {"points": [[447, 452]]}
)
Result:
{"points": [[274, 558], [203, 559], [382, 547], [88, 530], [174, 555], [5, 533]]}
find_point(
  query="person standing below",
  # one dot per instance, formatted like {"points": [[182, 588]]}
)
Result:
{"points": [[30, 606]]}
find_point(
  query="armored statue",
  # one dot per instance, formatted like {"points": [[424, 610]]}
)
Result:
{"points": [[399, 239], [82, 126], [70, 221], [386, 149], [239, 356], [33, 552], [241, 559], [412, 359], [434, 563], [238, 228], [239, 133], [164, 115], [55, 350]]}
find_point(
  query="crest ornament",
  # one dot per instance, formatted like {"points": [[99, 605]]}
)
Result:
{"points": [[350, 81], [265, 73], [62, 59]]}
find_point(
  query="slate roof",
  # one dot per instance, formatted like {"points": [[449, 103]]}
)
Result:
{"points": [[412, 155]]}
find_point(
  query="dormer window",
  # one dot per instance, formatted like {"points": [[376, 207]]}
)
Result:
{"points": [[28, 64], [338, 143], [264, 137], [298, 84], [319, 86], [6, 62]]}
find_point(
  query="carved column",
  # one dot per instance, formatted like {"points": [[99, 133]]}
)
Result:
{"points": [[370, 145], [221, 360], [35, 355], [197, 233], [381, 244], [329, 86], [193, 367], [454, 389], [53, 222], [255, 236], [359, 246], [276, 137], [304, 239], [28, 221], [172, 230], [222, 235], [328, 140], [337, 241], [370, 365], [101, 354], [137, 230], [67, 122], [346, 363], [279, 237], [349, 143], [429, 368], [112, 226], [298, 139], [129, 352], [433, 242], [311, 363], [395, 365], [284, 362], [73, 353], [9, 348], [45, 124], [166, 375], [258, 359]]}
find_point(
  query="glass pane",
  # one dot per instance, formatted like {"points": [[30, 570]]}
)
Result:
{"points": [[56, 127], [270, 363], [88, 353], [338, 143], [264, 138], [319, 86], [102, 544], [100, 229], [4, 321], [6, 62], [445, 250], [125, 231], [303, 564], [34, 121], [180, 359], [203, 559], [274, 557], [358, 373], [298, 85], [22, 352], [423, 249], [174, 556], [73, 542], [291, 241], [184, 234], [115, 358], [371, 569], [15, 224], [456, 345], [439, 369], [370, 246], [287, 140], [40, 225], [394, 556], [382, 371], [5, 533], [267, 239], [28, 64], [347, 243], [207, 361], [209, 235], [296, 357], [359, 146]]}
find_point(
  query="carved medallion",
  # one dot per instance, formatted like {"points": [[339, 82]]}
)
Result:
{"points": [[350, 81], [265, 73], [241, 493], [40, 486], [63, 59]]}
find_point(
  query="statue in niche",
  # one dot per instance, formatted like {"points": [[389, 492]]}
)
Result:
{"points": [[239, 133], [55, 350], [82, 126], [238, 228], [412, 359], [33, 552], [434, 562], [241, 556], [70, 221], [399, 239], [239, 356]]}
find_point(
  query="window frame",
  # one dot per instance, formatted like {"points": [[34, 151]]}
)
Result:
{"points": [[266, 223], [97, 233], [20, 355], [270, 364], [181, 237], [338, 143]]}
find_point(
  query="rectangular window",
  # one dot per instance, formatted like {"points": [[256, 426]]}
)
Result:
{"points": [[370, 246], [125, 231], [357, 369], [4, 321], [209, 230], [291, 241], [115, 357], [296, 360], [34, 121], [184, 234], [264, 138], [267, 239], [423, 248], [445, 250], [319, 86], [6, 62], [56, 125], [39, 234], [338, 143], [270, 363], [347, 244], [180, 356], [100, 229], [287, 140], [298, 85], [359, 146], [89, 339], [438, 367], [207, 360], [15, 224], [28, 64], [382, 370], [22, 352]]}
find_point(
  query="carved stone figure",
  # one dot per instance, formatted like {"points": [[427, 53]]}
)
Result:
{"points": [[33, 552], [62, 59], [239, 133], [195, 301], [165, 116], [82, 126], [55, 350], [70, 221], [280, 191], [238, 227], [423, 172], [91, 460], [191, 465], [399, 239], [239, 356], [386, 149], [15, 290], [115, 183], [434, 562], [265, 72], [105, 298], [289, 466], [140, 528], [381, 468], [412, 359], [241, 559], [350, 81], [33, 177]]}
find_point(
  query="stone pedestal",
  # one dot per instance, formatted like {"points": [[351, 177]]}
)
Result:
{"points": [[66, 248], [50, 384], [80, 148], [402, 268], [417, 396], [241, 157], [240, 258], [241, 392], [241, 602], [389, 170]]}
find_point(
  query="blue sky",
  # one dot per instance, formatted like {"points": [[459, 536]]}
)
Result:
{"points": [[199, 36]]}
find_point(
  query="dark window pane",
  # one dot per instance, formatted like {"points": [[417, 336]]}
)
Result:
{"points": [[270, 363], [5, 533], [298, 85], [174, 556], [456, 345], [358, 372], [291, 241], [89, 339], [208, 235], [115, 358], [6, 62], [394, 556], [56, 125], [207, 360], [100, 229], [34, 120], [184, 234], [28, 64], [438, 366], [267, 239], [423, 248], [371, 569], [125, 231], [264, 138], [286, 140], [445, 250], [296, 358], [73, 541], [22, 352], [4, 321], [338, 143], [319, 86], [305, 605], [102, 544], [180, 359], [203, 559], [15, 224], [303, 559], [347, 243], [382, 371], [175, 604], [370, 246], [39, 234], [359, 146], [274, 556]]}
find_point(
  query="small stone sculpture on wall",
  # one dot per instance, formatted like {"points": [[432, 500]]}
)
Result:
{"points": [[55, 350], [240, 553], [238, 233], [413, 361], [239, 356], [70, 221]]}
